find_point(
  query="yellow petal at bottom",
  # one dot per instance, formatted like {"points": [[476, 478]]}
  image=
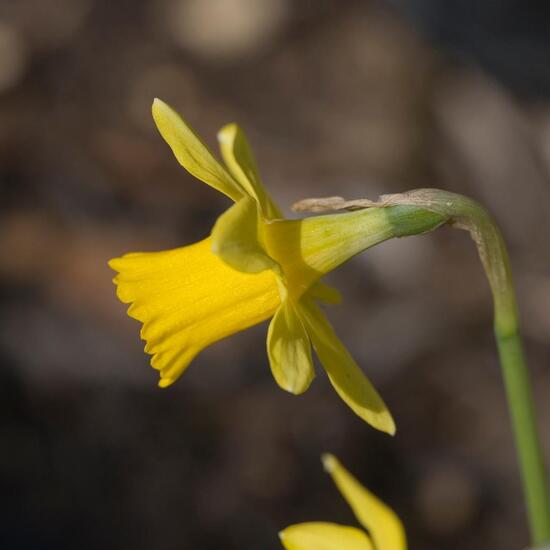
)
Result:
{"points": [[381, 521], [324, 536], [187, 298]]}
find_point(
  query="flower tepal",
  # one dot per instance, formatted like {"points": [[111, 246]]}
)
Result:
{"points": [[254, 266], [383, 528]]}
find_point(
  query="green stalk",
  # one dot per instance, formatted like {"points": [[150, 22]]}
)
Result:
{"points": [[464, 213], [520, 403]]}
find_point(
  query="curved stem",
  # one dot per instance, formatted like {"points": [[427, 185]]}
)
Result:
{"points": [[464, 213]]}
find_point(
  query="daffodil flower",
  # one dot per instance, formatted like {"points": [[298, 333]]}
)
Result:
{"points": [[254, 266], [384, 530]]}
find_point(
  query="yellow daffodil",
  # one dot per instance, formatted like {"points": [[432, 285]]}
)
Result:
{"points": [[384, 530], [254, 266]]}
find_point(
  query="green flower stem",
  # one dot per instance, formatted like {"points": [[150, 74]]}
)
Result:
{"points": [[464, 213], [520, 402]]}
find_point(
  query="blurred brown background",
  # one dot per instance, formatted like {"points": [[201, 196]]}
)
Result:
{"points": [[353, 98]]}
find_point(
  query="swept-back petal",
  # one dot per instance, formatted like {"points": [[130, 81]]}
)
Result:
{"points": [[289, 350], [187, 298], [381, 521], [191, 152], [324, 536], [238, 157], [236, 238], [346, 377]]}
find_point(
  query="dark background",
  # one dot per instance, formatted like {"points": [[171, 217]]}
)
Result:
{"points": [[354, 98]]}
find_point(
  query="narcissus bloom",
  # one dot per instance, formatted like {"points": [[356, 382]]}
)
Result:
{"points": [[384, 530], [254, 266]]}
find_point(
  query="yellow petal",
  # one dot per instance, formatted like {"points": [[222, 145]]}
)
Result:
{"points": [[187, 298], [289, 350], [381, 521], [236, 239], [324, 536], [191, 153], [346, 377], [237, 154]]}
